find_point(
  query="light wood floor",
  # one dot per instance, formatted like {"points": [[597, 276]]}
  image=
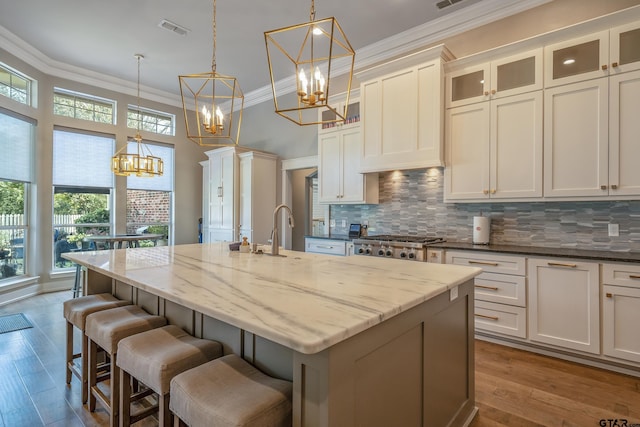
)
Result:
{"points": [[514, 388]]}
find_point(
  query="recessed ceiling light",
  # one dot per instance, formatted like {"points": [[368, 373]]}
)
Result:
{"points": [[171, 26], [569, 61]]}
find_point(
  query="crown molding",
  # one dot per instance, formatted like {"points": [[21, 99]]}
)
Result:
{"points": [[392, 47]]}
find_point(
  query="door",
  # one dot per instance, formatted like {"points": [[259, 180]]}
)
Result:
{"points": [[576, 139], [564, 304]]}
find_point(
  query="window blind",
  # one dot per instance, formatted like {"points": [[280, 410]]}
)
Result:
{"points": [[16, 138], [157, 183], [82, 159]]}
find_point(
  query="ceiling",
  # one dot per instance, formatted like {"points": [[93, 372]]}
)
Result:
{"points": [[94, 41]]}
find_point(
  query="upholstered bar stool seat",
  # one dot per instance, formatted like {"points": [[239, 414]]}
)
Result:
{"points": [[229, 392], [105, 329], [154, 358], [75, 312]]}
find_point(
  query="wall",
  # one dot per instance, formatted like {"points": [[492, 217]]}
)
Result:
{"points": [[411, 202]]}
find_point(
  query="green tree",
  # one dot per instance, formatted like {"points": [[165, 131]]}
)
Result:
{"points": [[11, 197], [78, 203]]}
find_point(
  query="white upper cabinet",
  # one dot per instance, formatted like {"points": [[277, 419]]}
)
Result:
{"points": [[402, 112], [600, 54], [350, 111], [499, 78]]}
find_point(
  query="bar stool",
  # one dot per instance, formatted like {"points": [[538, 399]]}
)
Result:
{"points": [[229, 392], [153, 358], [75, 312], [105, 329]]}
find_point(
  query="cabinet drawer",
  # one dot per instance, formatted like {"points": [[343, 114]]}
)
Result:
{"points": [[501, 288], [621, 275], [322, 246], [500, 318], [490, 263]]}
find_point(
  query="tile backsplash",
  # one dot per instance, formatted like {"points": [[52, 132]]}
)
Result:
{"points": [[411, 202]]}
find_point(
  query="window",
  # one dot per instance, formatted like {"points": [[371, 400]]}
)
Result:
{"points": [[151, 121], [82, 191], [150, 200], [15, 85], [16, 142], [85, 107]]}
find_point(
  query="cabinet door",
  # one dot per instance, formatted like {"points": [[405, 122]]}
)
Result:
{"points": [[516, 74], [228, 197], [329, 167], [215, 192], [468, 85], [246, 208], [576, 139], [624, 131], [352, 180], [564, 304], [467, 174], [516, 146], [206, 200], [625, 48], [620, 320], [576, 60]]}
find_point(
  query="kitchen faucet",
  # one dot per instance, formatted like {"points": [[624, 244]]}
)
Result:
{"points": [[275, 244]]}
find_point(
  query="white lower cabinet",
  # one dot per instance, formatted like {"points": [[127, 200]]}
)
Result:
{"points": [[564, 304], [500, 291], [621, 311], [326, 246]]}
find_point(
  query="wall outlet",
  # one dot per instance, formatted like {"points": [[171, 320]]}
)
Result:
{"points": [[332, 223], [614, 230], [344, 223]]}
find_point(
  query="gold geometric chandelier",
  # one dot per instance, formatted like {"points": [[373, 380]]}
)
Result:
{"points": [[303, 58], [217, 101], [140, 163]]}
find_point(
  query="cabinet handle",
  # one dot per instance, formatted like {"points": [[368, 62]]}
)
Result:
{"points": [[491, 288], [493, 91], [324, 247], [493, 264], [614, 64], [614, 187], [487, 317], [609, 295], [560, 264], [633, 276], [604, 67]]}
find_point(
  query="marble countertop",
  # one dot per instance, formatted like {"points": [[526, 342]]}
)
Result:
{"points": [[307, 302], [596, 255]]}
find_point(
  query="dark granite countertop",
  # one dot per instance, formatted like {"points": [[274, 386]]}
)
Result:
{"points": [[545, 251], [330, 237]]}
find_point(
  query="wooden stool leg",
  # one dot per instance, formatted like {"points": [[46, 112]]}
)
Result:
{"points": [[85, 368], [125, 399], [69, 350], [115, 391], [93, 352], [164, 414]]}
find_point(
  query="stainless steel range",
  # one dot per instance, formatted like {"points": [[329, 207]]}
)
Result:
{"points": [[412, 248]]}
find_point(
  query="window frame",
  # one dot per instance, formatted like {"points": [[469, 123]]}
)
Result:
{"points": [[30, 85], [78, 97], [134, 112]]}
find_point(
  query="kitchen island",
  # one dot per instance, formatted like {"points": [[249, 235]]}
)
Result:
{"points": [[366, 342]]}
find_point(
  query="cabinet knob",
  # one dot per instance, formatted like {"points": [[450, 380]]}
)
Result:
{"points": [[603, 187], [485, 191], [614, 187], [486, 92], [604, 67], [493, 191], [614, 64], [493, 91], [609, 295]]}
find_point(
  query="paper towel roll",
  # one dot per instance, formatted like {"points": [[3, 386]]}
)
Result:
{"points": [[481, 230]]}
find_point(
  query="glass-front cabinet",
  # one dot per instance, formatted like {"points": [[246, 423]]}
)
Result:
{"points": [[496, 79], [350, 111], [599, 54]]}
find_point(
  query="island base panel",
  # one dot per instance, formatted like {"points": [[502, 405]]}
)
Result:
{"points": [[415, 369]]}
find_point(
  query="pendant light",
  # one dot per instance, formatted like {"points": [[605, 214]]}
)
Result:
{"points": [[141, 162], [212, 104], [303, 59]]}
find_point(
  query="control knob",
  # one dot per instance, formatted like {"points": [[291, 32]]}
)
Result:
{"points": [[368, 251], [403, 254], [412, 255], [361, 250], [381, 252], [389, 252]]}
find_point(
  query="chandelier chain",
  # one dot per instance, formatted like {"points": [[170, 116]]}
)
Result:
{"points": [[213, 57], [312, 14]]}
